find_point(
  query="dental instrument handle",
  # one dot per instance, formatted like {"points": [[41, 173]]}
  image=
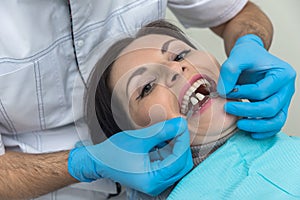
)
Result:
{"points": [[215, 94], [190, 113]]}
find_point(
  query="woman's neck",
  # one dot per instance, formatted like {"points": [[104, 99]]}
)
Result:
{"points": [[201, 151]]}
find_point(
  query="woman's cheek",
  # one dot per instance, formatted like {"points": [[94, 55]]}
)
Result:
{"points": [[148, 114], [139, 117], [159, 106]]}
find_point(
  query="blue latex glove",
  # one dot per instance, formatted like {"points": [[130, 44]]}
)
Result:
{"points": [[129, 158], [265, 80]]}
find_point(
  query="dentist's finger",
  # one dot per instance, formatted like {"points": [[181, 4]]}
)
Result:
{"points": [[263, 125], [229, 74], [154, 135], [260, 90], [267, 108], [264, 135], [174, 172]]}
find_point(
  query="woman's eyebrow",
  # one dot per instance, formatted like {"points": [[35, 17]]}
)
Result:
{"points": [[165, 46], [137, 72]]}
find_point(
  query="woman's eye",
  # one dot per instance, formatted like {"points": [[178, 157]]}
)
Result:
{"points": [[147, 89], [181, 55]]}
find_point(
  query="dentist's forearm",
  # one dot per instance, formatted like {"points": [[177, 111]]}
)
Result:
{"points": [[251, 20], [24, 176]]}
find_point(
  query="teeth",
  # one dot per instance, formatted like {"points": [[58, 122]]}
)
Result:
{"points": [[197, 84], [188, 95], [193, 88], [189, 92], [183, 108], [204, 81], [185, 102], [194, 101], [186, 99], [200, 96]]}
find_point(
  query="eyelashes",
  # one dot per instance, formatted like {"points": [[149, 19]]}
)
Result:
{"points": [[146, 90], [179, 57], [150, 86]]}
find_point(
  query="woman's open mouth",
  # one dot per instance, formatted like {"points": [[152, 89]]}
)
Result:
{"points": [[196, 94]]}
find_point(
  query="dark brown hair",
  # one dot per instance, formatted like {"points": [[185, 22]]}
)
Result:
{"points": [[99, 96]]}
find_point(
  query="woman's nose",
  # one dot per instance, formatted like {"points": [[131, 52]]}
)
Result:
{"points": [[176, 71], [178, 66]]}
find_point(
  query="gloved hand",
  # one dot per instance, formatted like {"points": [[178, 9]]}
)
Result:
{"points": [[262, 78], [129, 158]]}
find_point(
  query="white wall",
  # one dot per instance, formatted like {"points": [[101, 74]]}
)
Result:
{"points": [[285, 16]]}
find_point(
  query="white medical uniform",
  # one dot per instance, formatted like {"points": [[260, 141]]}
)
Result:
{"points": [[42, 84]]}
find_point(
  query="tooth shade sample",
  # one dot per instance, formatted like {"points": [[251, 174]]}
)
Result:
{"points": [[194, 100], [200, 96]]}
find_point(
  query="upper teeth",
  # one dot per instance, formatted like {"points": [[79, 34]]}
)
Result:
{"points": [[193, 99]]}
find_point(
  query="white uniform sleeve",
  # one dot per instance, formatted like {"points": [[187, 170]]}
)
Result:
{"points": [[205, 13], [2, 150]]}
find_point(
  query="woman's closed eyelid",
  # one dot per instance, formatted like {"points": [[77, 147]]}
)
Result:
{"points": [[180, 55]]}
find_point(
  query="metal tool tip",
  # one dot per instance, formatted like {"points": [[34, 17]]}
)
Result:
{"points": [[213, 94]]}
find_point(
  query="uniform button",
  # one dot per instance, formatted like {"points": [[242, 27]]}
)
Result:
{"points": [[80, 43]]}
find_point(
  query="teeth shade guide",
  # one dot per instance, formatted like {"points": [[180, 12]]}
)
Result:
{"points": [[190, 112], [200, 96], [195, 95], [194, 101]]}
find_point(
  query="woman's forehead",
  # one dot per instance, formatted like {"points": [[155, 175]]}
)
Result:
{"points": [[139, 52], [152, 41]]}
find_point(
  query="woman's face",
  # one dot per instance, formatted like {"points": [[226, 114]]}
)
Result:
{"points": [[158, 77]]}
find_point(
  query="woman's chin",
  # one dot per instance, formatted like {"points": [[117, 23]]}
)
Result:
{"points": [[212, 124], [210, 135]]}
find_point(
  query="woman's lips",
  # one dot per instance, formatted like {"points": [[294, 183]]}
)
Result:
{"points": [[195, 94], [187, 86]]}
